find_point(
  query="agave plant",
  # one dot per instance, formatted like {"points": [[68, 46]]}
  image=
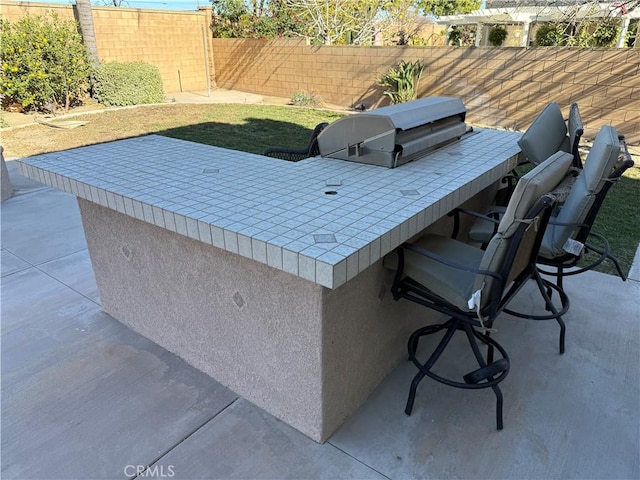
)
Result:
{"points": [[401, 82]]}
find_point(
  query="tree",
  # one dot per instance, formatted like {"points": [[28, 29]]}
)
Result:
{"points": [[583, 24], [399, 19], [337, 21], [85, 20], [328, 22], [252, 18], [447, 7]]}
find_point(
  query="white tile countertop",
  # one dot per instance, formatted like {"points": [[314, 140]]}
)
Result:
{"points": [[321, 219]]}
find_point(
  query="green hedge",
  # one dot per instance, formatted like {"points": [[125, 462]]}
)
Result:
{"points": [[127, 83]]}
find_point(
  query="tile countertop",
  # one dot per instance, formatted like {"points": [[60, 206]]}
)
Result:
{"points": [[278, 212]]}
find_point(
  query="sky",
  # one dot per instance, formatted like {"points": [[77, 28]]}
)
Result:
{"points": [[191, 5]]}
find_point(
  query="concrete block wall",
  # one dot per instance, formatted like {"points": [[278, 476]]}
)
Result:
{"points": [[171, 40], [13, 11], [503, 87]]}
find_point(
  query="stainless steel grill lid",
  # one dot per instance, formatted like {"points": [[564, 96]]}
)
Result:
{"points": [[394, 135]]}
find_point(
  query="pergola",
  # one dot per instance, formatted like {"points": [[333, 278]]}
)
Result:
{"points": [[550, 12]]}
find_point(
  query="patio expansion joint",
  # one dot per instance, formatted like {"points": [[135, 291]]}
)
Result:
{"points": [[358, 460], [62, 283], [189, 435]]}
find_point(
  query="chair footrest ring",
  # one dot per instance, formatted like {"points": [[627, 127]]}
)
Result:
{"points": [[485, 373]]}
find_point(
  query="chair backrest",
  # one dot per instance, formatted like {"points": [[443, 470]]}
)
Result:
{"points": [[598, 167], [297, 154], [314, 149], [515, 245], [575, 130], [545, 136]]}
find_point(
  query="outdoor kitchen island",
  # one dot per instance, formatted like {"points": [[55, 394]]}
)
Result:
{"points": [[266, 274]]}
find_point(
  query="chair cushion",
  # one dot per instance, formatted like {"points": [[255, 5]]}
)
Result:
{"points": [[539, 181], [545, 136], [531, 186], [598, 166], [481, 231], [605, 151], [455, 286]]}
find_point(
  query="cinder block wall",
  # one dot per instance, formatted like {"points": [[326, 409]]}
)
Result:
{"points": [[13, 11], [503, 87], [171, 40]]}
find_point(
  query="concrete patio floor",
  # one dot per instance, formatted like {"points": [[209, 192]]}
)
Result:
{"points": [[85, 397]]}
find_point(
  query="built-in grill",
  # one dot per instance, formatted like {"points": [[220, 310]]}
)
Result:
{"points": [[394, 135]]}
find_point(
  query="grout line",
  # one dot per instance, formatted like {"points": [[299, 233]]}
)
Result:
{"points": [[157, 459]]}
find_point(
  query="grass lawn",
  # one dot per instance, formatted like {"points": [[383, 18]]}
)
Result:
{"points": [[253, 128]]}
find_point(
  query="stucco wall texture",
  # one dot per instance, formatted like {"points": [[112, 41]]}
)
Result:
{"points": [[304, 353]]}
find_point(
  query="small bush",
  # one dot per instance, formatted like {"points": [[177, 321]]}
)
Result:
{"points": [[603, 33], [455, 36], [497, 35], [303, 98], [401, 82], [127, 83], [550, 35], [44, 63]]}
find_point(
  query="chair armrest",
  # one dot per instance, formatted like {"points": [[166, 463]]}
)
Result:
{"points": [[398, 277], [488, 217], [484, 216]]}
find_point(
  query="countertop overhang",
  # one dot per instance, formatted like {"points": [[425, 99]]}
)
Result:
{"points": [[321, 219]]}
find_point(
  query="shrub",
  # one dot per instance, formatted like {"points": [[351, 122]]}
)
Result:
{"points": [[44, 63], [455, 36], [303, 98], [497, 36], [551, 34], [127, 83], [603, 33], [401, 82]]}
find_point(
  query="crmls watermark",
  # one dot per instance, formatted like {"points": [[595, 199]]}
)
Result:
{"points": [[155, 471]]}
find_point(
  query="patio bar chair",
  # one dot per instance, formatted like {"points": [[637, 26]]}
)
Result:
{"points": [[471, 286], [566, 240]]}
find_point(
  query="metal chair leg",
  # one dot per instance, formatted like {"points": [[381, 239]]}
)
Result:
{"points": [[543, 286], [451, 326], [471, 336], [412, 392]]}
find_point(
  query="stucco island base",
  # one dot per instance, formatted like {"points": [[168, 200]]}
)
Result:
{"points": [[307, 354]]}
